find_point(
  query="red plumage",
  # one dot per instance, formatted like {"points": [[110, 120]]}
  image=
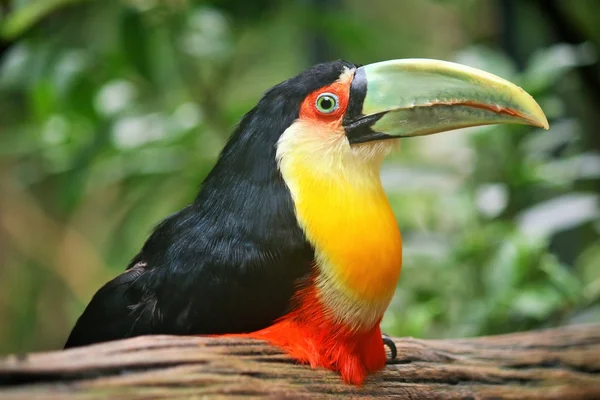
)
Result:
{"points": [[309, 335]]}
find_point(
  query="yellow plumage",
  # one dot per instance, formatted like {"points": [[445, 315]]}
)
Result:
{"points": [[342, 208]]}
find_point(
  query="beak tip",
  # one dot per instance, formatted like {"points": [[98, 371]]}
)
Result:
{"points": [[537, 117], [541, 121]]}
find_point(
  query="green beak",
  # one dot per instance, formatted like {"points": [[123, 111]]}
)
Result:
{"points": [[414, 97]]}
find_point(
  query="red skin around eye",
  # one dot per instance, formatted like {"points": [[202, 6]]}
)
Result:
{"points": [[309, 111]]}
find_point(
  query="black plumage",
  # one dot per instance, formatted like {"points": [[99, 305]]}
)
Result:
{"points": [[229, 262]]}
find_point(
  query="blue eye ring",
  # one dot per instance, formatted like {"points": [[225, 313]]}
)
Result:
{"points": [[326, 103]]}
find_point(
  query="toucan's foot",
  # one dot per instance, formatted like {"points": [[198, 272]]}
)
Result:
{"points": [[387, 341]]}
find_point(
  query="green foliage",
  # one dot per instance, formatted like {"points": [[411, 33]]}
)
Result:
{"points": [[112, 113]]}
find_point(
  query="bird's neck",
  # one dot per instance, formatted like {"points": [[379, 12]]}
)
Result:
{"points": [[347, 218]]}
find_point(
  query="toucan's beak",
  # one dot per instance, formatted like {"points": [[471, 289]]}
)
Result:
{"points": [[413, 97]]}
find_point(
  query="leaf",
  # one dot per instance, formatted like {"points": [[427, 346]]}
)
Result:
{"points": [[562, 278], [559, 214], [537, 302], [550, 64], [135, 42], [588, 270], [25, 17]]}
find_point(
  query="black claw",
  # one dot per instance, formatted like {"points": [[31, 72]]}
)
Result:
{"points": [[387, 341]]}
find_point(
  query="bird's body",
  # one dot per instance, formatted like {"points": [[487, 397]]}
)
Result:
{"points": [[291, 238]]}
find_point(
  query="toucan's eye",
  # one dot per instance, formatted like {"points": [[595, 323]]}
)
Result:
{"points": [[327, 103]]}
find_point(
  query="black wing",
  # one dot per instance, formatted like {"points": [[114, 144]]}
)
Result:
{"points": [[193, 277], [118, 310]]}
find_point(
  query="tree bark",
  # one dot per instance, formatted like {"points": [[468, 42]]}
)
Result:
{"points": [[557, 364]]}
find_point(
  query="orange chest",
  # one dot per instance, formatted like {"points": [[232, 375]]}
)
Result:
{"points": [[356, 238]]}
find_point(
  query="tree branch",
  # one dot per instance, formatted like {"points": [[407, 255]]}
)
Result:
{"points": [[553, 364]]}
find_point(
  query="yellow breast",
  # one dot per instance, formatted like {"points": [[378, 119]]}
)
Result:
{"points": [[354, 232], [344, 212]]}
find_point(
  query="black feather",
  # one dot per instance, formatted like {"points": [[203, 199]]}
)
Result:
{"points": [[229, 262]]}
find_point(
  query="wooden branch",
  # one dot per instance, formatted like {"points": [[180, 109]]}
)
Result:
{"points": [[553, 364]]}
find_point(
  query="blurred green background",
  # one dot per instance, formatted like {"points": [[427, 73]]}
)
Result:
{"points": [[113, 112]]}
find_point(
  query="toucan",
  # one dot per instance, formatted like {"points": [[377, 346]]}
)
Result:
{"points": [[291, 238]]}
